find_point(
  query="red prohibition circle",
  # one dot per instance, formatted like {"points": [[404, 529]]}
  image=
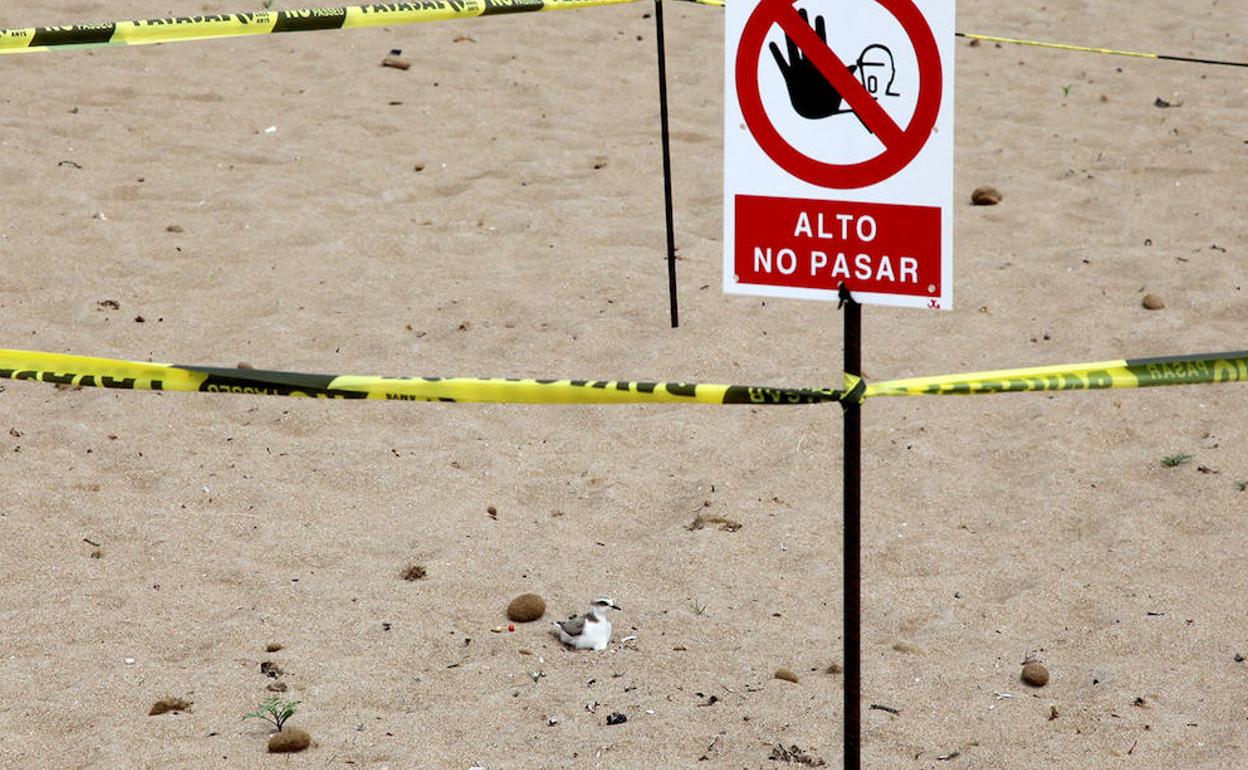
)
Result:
{"points": [[895, 156]]}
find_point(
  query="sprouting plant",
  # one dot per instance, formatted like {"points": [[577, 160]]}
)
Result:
{"points": [[274, 711], [698, 607], [1241, 485], [1066, 90], [1173, 461]]}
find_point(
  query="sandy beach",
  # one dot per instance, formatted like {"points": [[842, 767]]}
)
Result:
{"points": [[496, 210]]}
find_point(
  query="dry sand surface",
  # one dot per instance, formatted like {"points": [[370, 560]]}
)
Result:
{"points": [[496, 210]]}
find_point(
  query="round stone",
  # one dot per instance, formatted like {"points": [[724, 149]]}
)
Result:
{"points": [[290, 739], [1153, 302], [1035, 674], [526, 607]]}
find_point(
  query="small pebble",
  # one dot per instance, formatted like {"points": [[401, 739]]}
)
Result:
{"points": [[272, 647], [290, 739], [129, 661], [786, 675], [1035, 674], [1153, 302], [173, 229], [986, 196], [616, 718], [1239, 658], [276, 687]]}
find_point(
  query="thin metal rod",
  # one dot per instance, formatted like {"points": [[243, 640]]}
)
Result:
{"points": [[667, 164], [852, 548]]}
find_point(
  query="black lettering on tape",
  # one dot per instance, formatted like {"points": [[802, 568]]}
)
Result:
{"points": [[304, 21], [494, 7], [82, 34]]}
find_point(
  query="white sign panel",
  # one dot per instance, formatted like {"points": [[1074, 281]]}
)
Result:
{"points": [[838, 150]]}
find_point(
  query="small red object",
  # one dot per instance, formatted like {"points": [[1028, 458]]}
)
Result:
{"points": [[511, 626]]}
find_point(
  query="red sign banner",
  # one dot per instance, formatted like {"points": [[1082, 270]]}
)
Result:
{"points": [[820, 244]]}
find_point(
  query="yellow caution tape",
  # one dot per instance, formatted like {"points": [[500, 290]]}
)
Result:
{"points": [[1060, 46], [1129, 373], [133, 375], [182, 28]]}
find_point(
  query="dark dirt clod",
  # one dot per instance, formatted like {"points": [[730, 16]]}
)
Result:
{"points": [[165, 705], [271, 669], [272, 647], [786, 675], [616, 718], [413, 572], [986, 196]]}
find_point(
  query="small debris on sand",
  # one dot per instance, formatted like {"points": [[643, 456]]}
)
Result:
{"points": [[278, 686], [909, 648], [1153, 302], [986, 196], [413, 572], [396, 63], [1035, 674], [616, 718], [793, 754], [702, 520], [272, 646], [165, 705], [787, 675], [174, 229], [271, 669], [290, 739], [834, 668], [526, 608]]}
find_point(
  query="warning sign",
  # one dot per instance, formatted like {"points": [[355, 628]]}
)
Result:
{"points": [[839, 150]]}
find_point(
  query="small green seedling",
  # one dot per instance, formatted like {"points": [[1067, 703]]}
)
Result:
{"points": [[1173, 461], [274, 711], [698, 607], [1241, 485], [1066, 90]]}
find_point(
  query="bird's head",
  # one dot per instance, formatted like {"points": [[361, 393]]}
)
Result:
{"points": [[603, 603]]}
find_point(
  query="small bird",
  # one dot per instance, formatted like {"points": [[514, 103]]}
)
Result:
{"points": [[591, 631]]}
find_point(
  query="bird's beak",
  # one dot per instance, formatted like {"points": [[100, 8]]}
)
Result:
{"points": [[615, 606]]}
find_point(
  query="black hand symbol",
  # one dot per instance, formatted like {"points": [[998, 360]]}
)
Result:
{"points": [[813, 97]]}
